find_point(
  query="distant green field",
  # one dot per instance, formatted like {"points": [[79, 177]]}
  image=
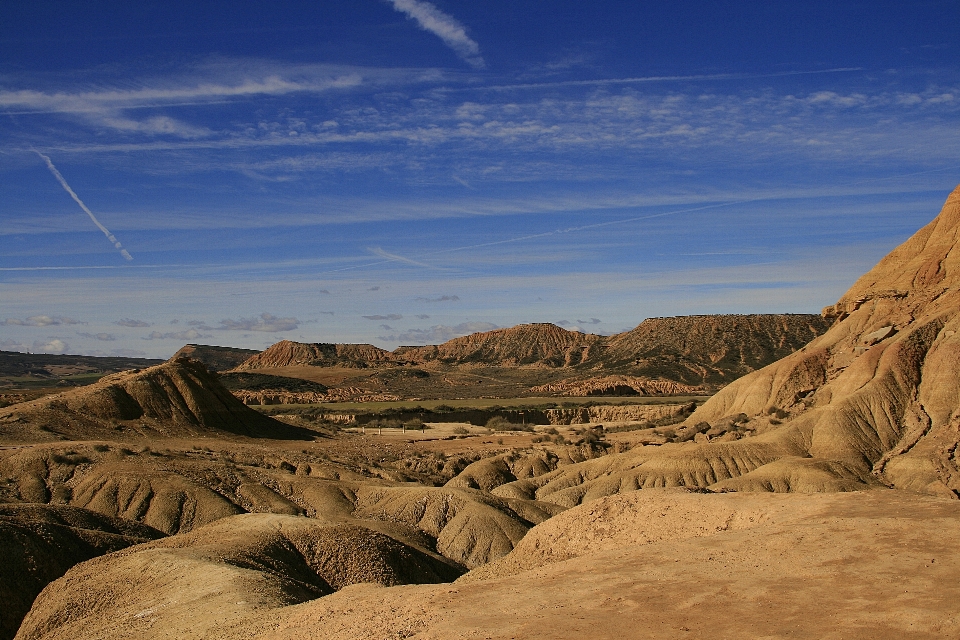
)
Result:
{"points": [[34, 382], [486, 403]]}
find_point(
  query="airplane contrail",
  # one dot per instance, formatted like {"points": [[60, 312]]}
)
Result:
{"points": [[63, 183]]}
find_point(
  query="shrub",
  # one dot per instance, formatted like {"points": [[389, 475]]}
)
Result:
{"points": [[460, 430], [499, 423]]}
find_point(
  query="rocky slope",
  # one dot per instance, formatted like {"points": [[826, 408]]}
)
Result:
{"points": [[286, 353], [215, 358], [710, 349], [651, 565], [662, 356], [879, 393], [177, 398], [39, 543], [526, 344]]}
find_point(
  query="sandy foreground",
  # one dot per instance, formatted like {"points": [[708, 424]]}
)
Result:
{"points": [[646, 564], [863, 565]]}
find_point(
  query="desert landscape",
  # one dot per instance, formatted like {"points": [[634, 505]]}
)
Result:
{"points": [[501, 320], [703, 477]]}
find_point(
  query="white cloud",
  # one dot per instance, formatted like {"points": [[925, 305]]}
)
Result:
{"points": [[53, 345], [40, 321], [445, 27], [266, 322], [10, 344], [438, 333]]}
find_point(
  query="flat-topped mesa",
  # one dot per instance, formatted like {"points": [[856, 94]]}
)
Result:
{"points": [[879, 392], [288, 353], [177, 398], [215, 358], [709, 349], [542, 344]]}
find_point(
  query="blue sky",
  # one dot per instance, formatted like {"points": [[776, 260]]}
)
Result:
{"points": [[403, 172]]}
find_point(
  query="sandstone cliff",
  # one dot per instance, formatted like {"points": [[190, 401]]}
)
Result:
{"points": [[880, 391]]}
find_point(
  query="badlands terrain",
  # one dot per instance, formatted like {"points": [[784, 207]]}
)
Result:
{"points": [[753, 477]]}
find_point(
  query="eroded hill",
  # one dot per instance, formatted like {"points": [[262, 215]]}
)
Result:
{"points": [[179, 397], [662, 356]]}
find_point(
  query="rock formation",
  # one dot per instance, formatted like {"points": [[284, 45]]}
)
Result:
{"points": [[879, 393], [526, 344], [215, 358], [39, 543], [712, 349], [286, 353], [177, 398]]}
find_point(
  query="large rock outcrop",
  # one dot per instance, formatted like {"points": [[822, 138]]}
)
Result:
{"points": [[176, 398], [880, 391]]}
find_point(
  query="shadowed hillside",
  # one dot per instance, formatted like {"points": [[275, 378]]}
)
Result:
{"points": [[215, 358], [177, 398], [709, 349]]}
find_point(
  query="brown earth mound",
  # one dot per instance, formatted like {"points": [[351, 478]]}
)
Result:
{"points": [[879, 393], [39, 543], [635, 518], [662, 356], [286, 353], [177, 398], [194, 583], [651, 565], [710, 349], [470, 527], [526, 344]]}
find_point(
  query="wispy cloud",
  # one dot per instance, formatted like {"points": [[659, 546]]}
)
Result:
{"points": [[445, 27], [392, 316], [439, 299], [392, 256], [438, 333], [189, 334], [129, 322], [40, 321], [103, 337], [265, 322], [66, 187]]}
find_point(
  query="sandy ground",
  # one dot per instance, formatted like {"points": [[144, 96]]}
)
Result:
{"points": [[868, 565], [655, 564]]}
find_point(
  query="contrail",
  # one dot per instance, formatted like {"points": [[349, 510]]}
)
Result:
{"points": [[63, 183], [596, 225], [395, 258]]}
